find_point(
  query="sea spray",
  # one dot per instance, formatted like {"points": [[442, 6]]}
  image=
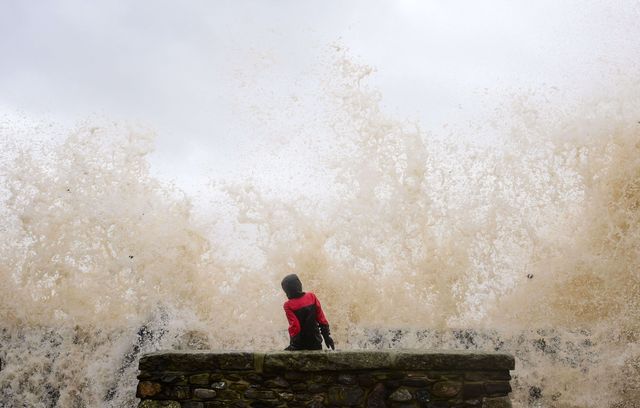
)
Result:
{"points": [[528, 244]]}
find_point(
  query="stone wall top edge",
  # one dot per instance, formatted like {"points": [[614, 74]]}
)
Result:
{"points": [[397, 359]]}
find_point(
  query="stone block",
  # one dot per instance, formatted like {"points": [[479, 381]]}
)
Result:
{"points": [[321, 361], [177, 392], [345, 395], [437, 404], [416, 381], [265, 404], [299, 387], [401, 395], [192, 404], [219, 385], [295, 376], [253, 393], [239, 386], [236, 361], [403, 405], [498, 402], [377, 396], [321, 379], [199, 379], [228, 395], [497, 387], [473, 390], [286, 396], [204, 394], [389, 375], [316, 404], [277, 382], [347, 379], [254, 378], [366, 380], [500, 375], [173, 378], [195, 361], [147, 389], [446, 389], [453, 360], [316, 388], [423, 396], [302, 396]]}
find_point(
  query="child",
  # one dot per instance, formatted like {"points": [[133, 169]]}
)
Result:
{"points": [[304, 314]]}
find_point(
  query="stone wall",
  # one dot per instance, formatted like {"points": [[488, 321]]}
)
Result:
{"points": [[376, 379]]}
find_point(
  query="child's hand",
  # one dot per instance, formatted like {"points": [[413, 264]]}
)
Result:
{"points": [[326, 335], [329, 342]]}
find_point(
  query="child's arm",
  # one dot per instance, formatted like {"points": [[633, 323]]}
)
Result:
{"points": [[294, 326], [324, 325]]}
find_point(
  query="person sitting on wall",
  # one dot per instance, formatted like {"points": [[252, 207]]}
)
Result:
{"points": [[305, 316]]}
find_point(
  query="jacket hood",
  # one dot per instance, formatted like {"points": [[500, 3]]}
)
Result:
{"points": [[292, 286]]}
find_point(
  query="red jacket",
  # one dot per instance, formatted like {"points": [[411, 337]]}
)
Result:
{"points": [[305, 318]]}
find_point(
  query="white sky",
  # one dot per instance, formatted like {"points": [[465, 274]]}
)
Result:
{"points": [[192, 69]]}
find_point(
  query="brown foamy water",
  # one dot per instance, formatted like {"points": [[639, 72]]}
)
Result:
{"points": [[529, 244]]}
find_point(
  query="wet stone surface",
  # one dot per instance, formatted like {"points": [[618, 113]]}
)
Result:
{"points": [[377, 396], [200, 393], [401, 395], [345, 396], [446, 389], [199, 379], [499, 402], [372, 379]]}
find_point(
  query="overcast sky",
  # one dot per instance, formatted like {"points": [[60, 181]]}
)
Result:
{"points": [[191, 69]]}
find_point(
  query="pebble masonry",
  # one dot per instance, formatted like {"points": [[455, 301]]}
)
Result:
{"points": [[375, 379]]}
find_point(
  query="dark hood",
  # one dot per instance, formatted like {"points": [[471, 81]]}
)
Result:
{"points": [[292, 286]]}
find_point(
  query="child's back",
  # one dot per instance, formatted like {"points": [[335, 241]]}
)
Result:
{"points": [[306, 318]]}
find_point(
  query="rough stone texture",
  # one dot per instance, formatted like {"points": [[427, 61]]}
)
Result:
{"points": [[487, 375], [347, 379], [199, 379], [148, 389], [446, 389], [416, 381], [451, 360], [345, 396], [501, 388], [376, 397], [252, 393], [192, 404], [278, 382], [317, 379], [219, 385], [403, 360], [423, 396], [473, 390], [196, 361], [322, 361], [204, 394], [401, 395], [499, 402]]}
